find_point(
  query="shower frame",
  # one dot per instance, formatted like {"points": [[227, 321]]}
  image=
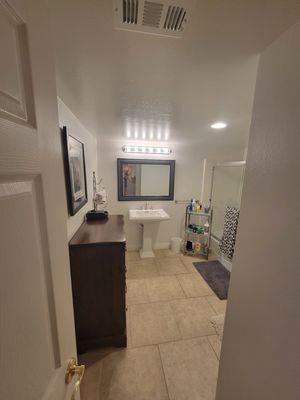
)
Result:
{"points": [[222, 258], [225, 164]]}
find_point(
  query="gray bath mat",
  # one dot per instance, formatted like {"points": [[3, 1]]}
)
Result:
{"points": [[216, 276]]}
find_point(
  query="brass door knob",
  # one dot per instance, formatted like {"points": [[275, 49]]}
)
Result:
{"points": [[74, 369]]}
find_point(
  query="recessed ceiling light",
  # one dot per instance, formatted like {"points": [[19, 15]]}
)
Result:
{"points": [[218, 125]]}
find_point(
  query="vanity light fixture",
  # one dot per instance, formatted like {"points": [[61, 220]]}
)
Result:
{"points": [[158, 133], [128, 130], [146, 149], [151, 133], [218, 125], [166, 134]]}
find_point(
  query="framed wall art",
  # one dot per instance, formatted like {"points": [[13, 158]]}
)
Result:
{"points": [[75, 173]]}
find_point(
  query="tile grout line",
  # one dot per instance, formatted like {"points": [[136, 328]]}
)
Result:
{"points": [[174, 299], [181, 287], [163, 370], [213, 309], [212, 346], [160, 276], [186, 268], [181, 339]]}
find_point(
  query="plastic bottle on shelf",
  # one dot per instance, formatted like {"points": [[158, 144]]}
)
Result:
{"points": [[198, 247], [206, 210], [197, 206], [206, 227], [200, 230], [193, 205]]}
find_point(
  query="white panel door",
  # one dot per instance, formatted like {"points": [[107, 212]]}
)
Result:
{"points": [[36, 314]]}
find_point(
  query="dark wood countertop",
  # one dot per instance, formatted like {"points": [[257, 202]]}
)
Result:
{"points": [[102, 232]]}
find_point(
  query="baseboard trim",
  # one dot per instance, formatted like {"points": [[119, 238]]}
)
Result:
{"points": [[157, 246], [161, 246], [132, 247]]}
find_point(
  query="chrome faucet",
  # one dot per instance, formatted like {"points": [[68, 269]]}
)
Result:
{"points": [[147, 206]]}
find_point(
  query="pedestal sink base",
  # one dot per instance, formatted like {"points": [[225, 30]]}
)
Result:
{"points": [[149, 232], [146, 254]]}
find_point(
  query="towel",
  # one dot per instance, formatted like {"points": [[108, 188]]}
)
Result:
{"points": [[231, 220]]}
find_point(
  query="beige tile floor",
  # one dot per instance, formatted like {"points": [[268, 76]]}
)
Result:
{"points": [[173, 350]]}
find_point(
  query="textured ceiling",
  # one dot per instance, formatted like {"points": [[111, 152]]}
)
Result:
{"points": [[123, 83]]}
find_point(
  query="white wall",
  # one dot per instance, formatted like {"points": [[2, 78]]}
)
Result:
{"points": [[76, 129], [260, 352], [188, 183]]}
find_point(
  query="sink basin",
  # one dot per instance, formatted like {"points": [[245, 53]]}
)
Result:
{"points": [[141, 216], [150, 220]]}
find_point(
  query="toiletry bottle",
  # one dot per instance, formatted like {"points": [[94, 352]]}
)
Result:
{"points": [[206, 227], [198, 247], [200, 230], [193, 204]]}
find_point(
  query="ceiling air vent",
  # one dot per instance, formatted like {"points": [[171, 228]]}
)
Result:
{"points": [[158, 17], [152, 14], [130, 10], [174, 18]]}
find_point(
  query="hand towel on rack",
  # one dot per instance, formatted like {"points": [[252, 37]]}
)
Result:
{"points": [[227, 242]]}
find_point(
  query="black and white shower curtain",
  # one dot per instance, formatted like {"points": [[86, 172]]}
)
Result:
{"points": [[227, 242]]}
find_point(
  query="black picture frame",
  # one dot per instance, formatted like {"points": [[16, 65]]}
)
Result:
{"points": [[122, 161], [75, 172]]}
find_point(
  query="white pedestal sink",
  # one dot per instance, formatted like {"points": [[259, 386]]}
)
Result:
{"points": [[150, 220]]}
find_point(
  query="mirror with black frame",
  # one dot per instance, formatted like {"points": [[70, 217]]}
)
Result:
{"points": [[145, 179]]}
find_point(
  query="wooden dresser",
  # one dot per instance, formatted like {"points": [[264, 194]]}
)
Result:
{"points": [[97, 257]]}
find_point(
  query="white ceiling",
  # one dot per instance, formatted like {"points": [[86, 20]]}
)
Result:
{"points": [[117, 81]]}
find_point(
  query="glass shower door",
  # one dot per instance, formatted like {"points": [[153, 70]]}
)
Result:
{"points": [[227, 184]]}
